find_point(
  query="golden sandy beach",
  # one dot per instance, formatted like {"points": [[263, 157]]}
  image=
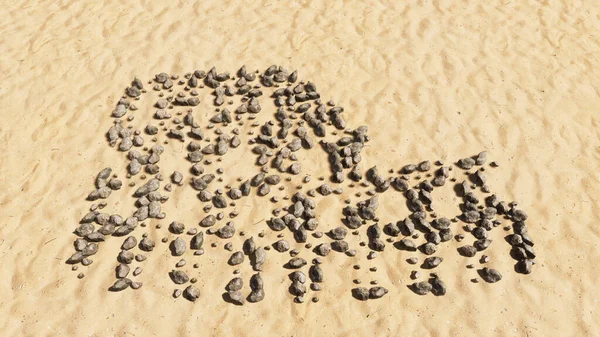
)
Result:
{"points": [[433, 80]]}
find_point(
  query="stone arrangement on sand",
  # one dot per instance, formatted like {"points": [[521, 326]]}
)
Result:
{"points": [[298, 119]]}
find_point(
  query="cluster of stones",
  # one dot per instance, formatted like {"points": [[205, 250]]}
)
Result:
{"points": [[479, 220], [300, 118]]}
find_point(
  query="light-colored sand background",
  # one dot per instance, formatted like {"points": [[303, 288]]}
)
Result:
{"points": [[432, 79]]}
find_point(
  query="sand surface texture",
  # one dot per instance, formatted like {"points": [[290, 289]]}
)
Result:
{"points": [[433, 80]]}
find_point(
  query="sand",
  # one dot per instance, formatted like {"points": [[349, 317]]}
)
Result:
{"points": [[436, 80]]}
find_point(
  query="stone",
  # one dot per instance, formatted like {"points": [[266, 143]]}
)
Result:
{"points": [[191, 293], [102, 177], [407, 244], [524, 266], [177, 177], [136, 285], [323, 249], [490, 275], [315, 273], [360, 293], [235, 284], [263, 190], [377, 292], [146, 244], [424, 166], [325, 190], [338, 233], [178, 247], [79, 244], [519, 215], [377, 245], [466, 163], [236, 258], [125, 257], [281, 246], [120, 284], [467, 251], [249, 246], [471, 216], [225, 232], [433, 237], [412, 260], [179, 276], [339, 246], [440, 223], [95, 237], [258, 258], [208, 221], [176, 227], [197, 241], [297, 289], [150, 186], [438, 287], [481, 158], [479, 233], [421, 288], [432, 262], [297, 262], [219, 201], [236, 297], [482, 244], [428, 248]]}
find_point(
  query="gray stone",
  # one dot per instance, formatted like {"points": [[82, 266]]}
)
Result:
{"points": [[315, 273], [339, 246], [236, 258], [490, 275], [471, 216], [249, 246], [191, 293], [197, 241], [481, 158], [323, 249], [438, 287], [259, 256], [281, 246], [225, 232], [122, 270], [125, 257], [360, 293], [263, 190], [208, 221], [421, 288], [407, 244], [176, 227], [235, 284], [466, 163], [147, 244], [179, 276], [467, 251], [236, 297], [338, 233], [297, 262], [120, 284], [432, 262], [177, 177], [377, 292], [178, 247], [102, 177], [150, 186], [428, 248], [524, 266], [297, 289]]}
